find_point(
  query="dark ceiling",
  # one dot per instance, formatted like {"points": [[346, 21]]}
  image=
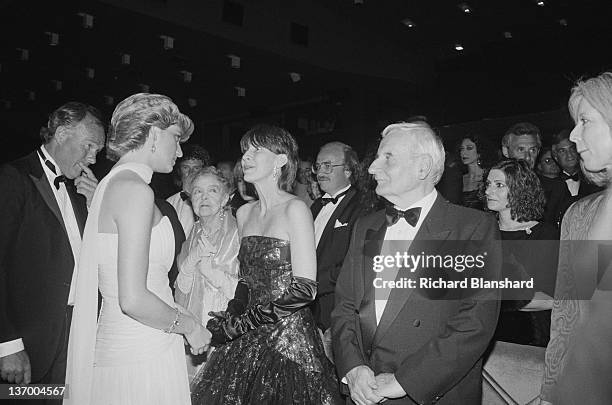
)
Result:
{"points": [[518, 57]]}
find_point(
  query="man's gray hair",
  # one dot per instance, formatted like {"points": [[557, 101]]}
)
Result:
{"points": [[425, 141]]}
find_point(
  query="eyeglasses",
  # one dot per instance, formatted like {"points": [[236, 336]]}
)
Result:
{"points": [[324, 167]]}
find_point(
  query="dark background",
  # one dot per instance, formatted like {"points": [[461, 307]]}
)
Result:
{"points": [[360, 67]]}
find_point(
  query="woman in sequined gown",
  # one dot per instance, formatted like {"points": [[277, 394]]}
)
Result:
{"points": [[269, 350]]}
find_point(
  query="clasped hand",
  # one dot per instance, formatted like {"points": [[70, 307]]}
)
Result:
{"points": [[198, 339], [367, 389]]}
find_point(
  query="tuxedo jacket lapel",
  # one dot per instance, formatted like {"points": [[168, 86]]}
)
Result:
{"points": [[79, 205], [38, 177], [367, 310], [432, 230]]}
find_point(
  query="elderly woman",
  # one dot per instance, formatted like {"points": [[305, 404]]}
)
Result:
{"points": [[194, 158], [530, 248], [579, 356], [208, 267]]}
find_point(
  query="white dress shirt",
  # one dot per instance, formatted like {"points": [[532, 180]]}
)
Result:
{"points": [[326, 212], [184, 211], [572, 185], [403, 231], [74, 237]]}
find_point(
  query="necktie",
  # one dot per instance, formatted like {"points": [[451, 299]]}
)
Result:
{"points": [[411, 216], [58, 179], [564, 176], [334, 200]]}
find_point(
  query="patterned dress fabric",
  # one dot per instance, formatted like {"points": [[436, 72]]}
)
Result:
{"points": [[282, 363]]}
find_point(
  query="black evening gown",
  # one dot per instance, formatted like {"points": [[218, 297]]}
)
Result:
{"points": [[282, 363], [537, 252]]}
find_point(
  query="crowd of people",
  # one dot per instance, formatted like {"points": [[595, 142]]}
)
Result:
{"points": [[257, 281]]}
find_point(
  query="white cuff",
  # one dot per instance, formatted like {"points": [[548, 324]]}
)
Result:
{"points": [[11, 347], [344, 380]]}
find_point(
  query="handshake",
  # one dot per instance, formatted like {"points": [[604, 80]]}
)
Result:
{"points": [[196, 335]]}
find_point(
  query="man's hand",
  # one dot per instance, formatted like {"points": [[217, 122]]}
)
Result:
{"points": [[86, 183], [15, 368], [361, 384], [388, 386]]}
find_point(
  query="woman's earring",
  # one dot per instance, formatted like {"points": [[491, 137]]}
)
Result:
{"points": [[275, 172], [153, 148]]}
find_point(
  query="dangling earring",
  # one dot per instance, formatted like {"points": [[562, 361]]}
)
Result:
{"points": [[222, 213], [153, 148], [275, 172]]}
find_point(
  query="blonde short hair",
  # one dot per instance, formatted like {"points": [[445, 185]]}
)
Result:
{"points": [[134, 117]]}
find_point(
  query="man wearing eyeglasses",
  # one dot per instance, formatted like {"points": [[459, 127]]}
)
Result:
{"points": [[335, 214], [565, 154]]}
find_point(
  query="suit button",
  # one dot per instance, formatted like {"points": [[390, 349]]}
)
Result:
{"points": [[416, 323]]}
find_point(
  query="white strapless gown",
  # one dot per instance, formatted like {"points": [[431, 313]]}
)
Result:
{"points": [[134, 363]]}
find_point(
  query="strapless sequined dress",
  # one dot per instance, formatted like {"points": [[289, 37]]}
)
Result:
{"points": [[282, 363]]}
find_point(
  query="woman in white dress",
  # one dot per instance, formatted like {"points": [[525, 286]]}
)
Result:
{"points": [[208, 262], [134, 355]]}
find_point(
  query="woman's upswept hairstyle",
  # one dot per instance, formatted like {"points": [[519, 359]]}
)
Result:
{"points": [[598, 92], [279, 141], [525, 193], [134, 117]]}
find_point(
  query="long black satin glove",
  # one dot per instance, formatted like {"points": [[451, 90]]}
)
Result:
{"points": [[225, 326], [238, 304]]}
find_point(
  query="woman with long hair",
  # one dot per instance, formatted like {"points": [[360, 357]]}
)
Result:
{"points": [[578, 366]]}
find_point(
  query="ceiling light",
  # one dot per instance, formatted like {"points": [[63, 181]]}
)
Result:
{"points": [[295, 77], [540, 3], [234, 61], [24, 54], [408, 22], [507, 35], [458, 47], [168, 42], [187, 76], [87, 20], [53, 38], [57, 84], [465, 8], [240, 91], [563, 22]]}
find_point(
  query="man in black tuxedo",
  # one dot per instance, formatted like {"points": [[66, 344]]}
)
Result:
{"points": [[564, 152], [334, 215], [43, 209], [407, 346], [522, 141]]}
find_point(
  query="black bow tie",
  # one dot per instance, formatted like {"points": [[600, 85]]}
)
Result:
{"points": [[411, 216], [184, 196], [325, 200], [564, 176], [59, 179]]}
